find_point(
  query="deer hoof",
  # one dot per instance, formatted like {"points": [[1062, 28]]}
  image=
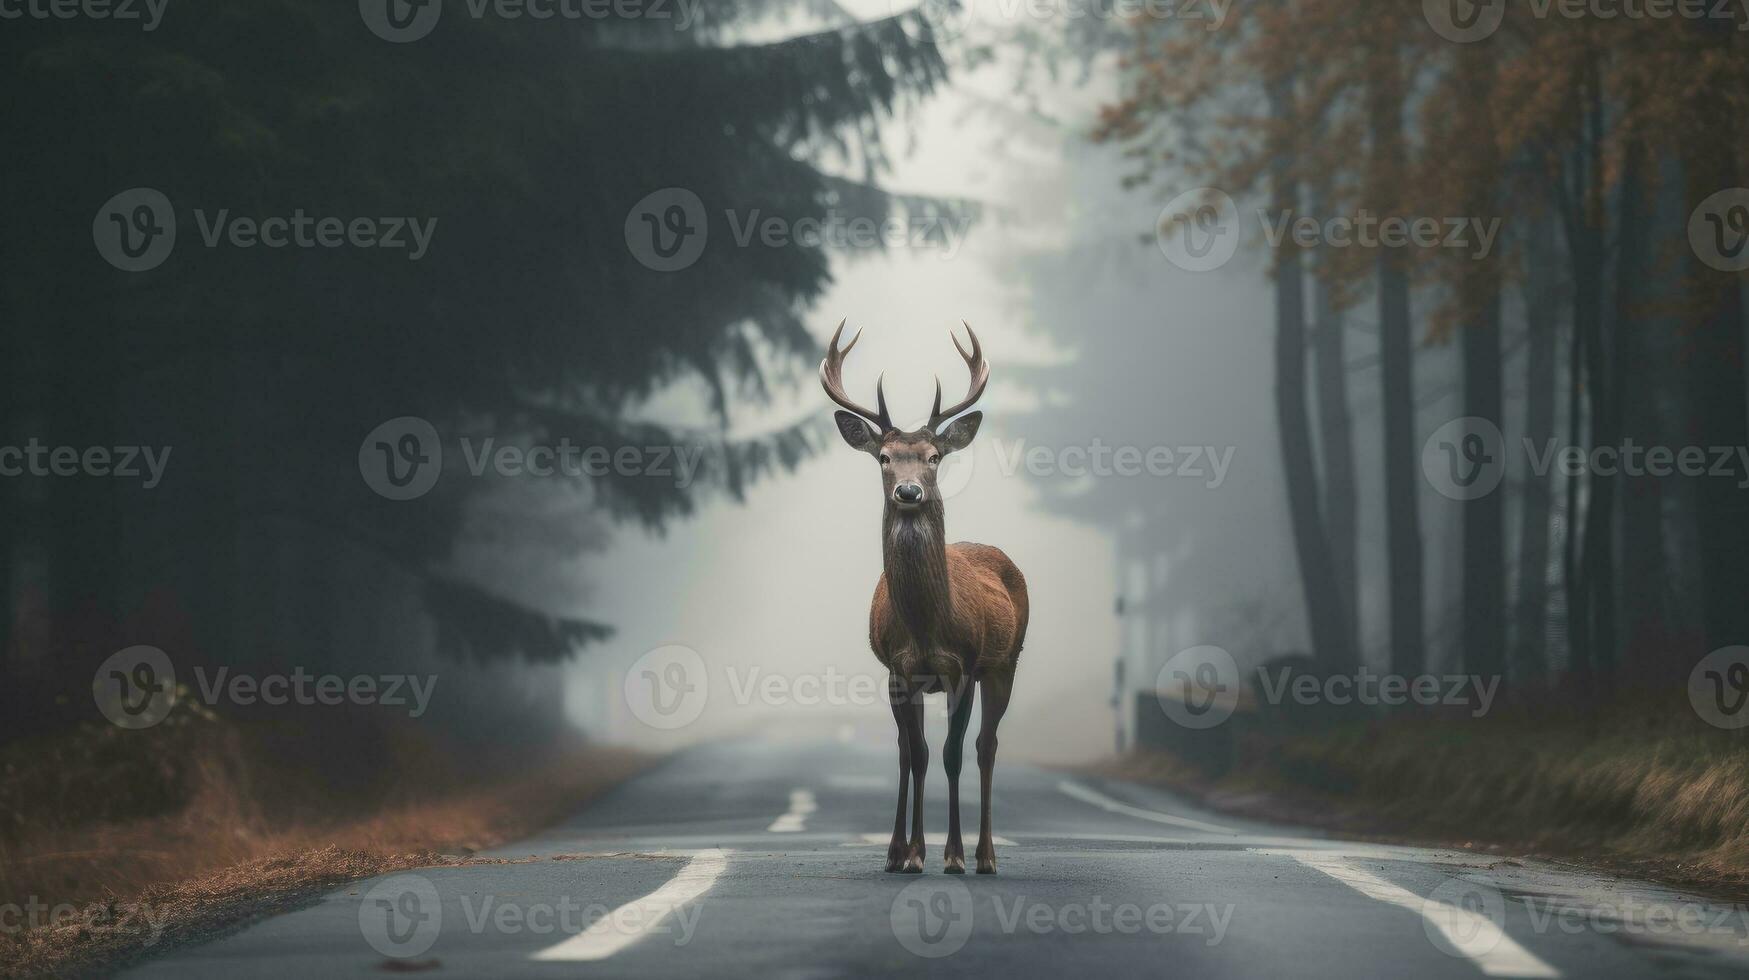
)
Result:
{"points": [[956, 865], [894, 866], [986, 866]]}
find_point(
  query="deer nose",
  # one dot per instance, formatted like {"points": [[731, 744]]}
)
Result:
{"points": [[908, 493]]}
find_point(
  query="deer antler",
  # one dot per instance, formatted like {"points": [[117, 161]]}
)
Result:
{"points": [[832, 379], [980, 377]]}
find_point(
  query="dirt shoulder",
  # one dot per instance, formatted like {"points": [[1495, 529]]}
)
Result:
{"points": [[91, 897]]}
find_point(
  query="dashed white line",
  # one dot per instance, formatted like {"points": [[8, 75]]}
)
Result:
{"points": [[801, 804], [1476, 936], [1104, 802], [638, 918]]}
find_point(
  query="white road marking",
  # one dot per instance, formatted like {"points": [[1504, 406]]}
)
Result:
{"points": [[801, 804], [1476, 936], [937, 840], [639, 917], [1104, 802]]}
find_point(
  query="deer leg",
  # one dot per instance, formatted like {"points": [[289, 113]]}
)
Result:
{"points": [[959, 715], [901, 718], [995, 702], [919, 768]]}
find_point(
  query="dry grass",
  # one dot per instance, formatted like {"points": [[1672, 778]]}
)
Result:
{"points": [[1655, 791], [148, 841]]}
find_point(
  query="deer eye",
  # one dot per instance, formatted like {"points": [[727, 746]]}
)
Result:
{"points": [[934, 459], [885, 459]]}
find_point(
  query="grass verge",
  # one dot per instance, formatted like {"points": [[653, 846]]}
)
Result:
{"points": [[1642, 790]]}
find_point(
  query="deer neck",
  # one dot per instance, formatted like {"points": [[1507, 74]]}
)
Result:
{"points": [[914, 547]]}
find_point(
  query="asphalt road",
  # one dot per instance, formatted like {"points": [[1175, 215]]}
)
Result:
{"points": [[764, 859]]}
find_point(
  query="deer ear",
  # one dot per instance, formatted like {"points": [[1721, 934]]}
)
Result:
{"points": [[858, 433], [959, 435]]}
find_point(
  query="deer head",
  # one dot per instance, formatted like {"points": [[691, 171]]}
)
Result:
{"points": [[909, 460]]}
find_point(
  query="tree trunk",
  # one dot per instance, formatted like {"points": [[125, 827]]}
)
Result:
{"points": [[1336, 438], [1717, 404], [1331, 643], [1484, 529], [1643, 573], [1530, 656], [1589, 546], [1397, 369]]}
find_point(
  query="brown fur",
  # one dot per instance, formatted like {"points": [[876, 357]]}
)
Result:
{"points": [[984, 624]]}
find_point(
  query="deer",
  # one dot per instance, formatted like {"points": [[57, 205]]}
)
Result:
{"points": [[945, 617]]}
